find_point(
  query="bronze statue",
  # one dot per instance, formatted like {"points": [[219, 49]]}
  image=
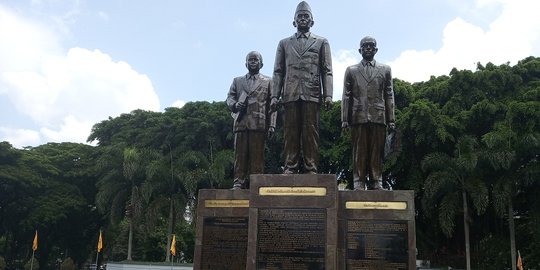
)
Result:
{"points": [[302, 80], [368, 108], [249, 102]]}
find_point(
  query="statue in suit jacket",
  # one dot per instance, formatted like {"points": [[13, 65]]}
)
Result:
{"points": [[249, 102], [302, 81], [368, 109]]}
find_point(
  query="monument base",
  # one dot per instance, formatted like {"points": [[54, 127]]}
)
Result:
{"points": [[302, 222], [292, 222], [222, 229], [376, 230]]}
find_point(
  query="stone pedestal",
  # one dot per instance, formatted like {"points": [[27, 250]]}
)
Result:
{"points": [[222, 230], [292, 222], [376, 230], [297, 222]]}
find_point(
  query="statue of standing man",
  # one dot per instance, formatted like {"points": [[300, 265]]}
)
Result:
{"points": [[249, 101], [302, 81], [368, 109]]}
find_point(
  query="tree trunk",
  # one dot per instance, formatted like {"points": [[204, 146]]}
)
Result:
{"points": [[466, 229], [169, 230], [511, 227], [131, 210], [130, 238]]}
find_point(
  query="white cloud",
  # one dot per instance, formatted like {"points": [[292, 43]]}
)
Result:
{"points": [[511, 37], [340, 61], [71, 129], [64, 93], [178, 104], [20, 137]]}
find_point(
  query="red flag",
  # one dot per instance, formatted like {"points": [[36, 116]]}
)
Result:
{"points": [[35, 243], [100, 242]]}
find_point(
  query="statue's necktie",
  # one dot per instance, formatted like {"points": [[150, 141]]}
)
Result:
{"points": [[369, 69], [250, 82]]}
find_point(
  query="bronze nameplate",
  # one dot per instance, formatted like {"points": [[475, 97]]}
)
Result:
{"points": [[292, 191], [226, 203], [376, 205]]}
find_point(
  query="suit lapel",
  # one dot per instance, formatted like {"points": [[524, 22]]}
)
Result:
{"points": [[363, 72], [245, 85], [297, 47], [309, 43], [375, 71], [256, 84]]}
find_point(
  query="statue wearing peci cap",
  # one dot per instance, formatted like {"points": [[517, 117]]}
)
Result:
{"points": [[302, 81]]}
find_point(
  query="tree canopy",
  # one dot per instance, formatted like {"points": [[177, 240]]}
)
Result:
{"points": [[470, 138]]}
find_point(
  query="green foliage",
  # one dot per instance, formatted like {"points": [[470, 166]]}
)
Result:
{"points": [[493, 253], [68, 264], [2, 263], [335, 145], [471, 132], [31, 265]]}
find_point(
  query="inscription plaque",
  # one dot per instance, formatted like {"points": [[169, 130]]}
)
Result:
{"points": [[291, 238], [224, 243], [377, 244]]}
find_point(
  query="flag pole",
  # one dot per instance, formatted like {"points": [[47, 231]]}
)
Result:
{"points": [[32, 261], [99, 247], [173, 250], [34, 248]]}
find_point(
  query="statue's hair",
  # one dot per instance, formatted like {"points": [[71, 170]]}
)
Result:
{"points": [[366, 39], [259, 55]]}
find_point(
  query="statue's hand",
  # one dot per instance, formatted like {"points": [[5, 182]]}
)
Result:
{"points": [[345, 128], [328, 102], [271, 131], [274, 104], [240, 106]]}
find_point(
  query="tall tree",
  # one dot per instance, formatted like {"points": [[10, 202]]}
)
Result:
{"points": [[452, 179], [512, 151]]}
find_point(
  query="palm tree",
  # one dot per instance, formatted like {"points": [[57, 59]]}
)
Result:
{"points": [[512, 153], [173, 192], [452, 178], [132, 164], [123, 172]]}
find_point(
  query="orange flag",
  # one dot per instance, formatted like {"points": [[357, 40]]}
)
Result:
{"points": [[100, 242], [173, 245], [519, 262], [35, 243]]}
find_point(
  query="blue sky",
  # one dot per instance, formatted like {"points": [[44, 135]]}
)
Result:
{"points": [[68, 64]]}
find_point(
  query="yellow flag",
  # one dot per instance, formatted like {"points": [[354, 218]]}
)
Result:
{"points": [[519, 262], [100, 242], [173, 245], [35, 243]]}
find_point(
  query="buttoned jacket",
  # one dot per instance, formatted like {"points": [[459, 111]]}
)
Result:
{"points": [[257, 100], [303, 72], [368, 98]]}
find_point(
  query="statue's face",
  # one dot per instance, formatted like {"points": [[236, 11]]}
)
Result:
{"points": [[368, 50], [303, 20], [253, 63]]}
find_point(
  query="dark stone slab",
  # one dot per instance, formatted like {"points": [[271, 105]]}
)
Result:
{"points": [[292, 222], [376, 230], [222, 230]]}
